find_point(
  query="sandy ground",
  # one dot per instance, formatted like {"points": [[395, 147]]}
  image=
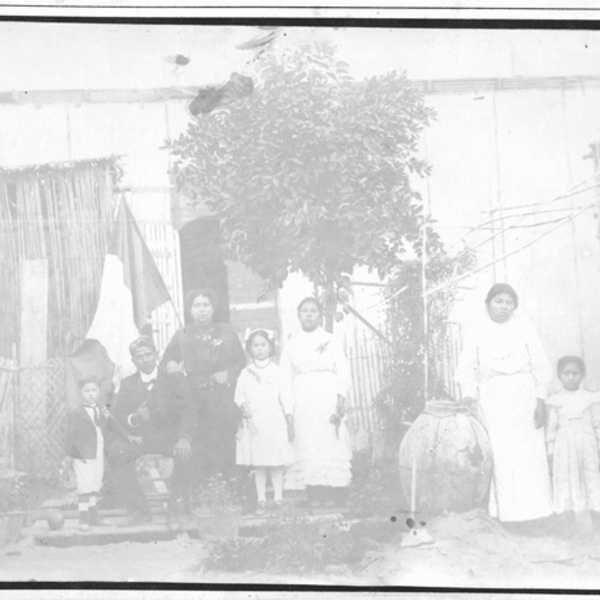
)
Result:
{"points": [[472, 550], [178, 561], [469, 550]]}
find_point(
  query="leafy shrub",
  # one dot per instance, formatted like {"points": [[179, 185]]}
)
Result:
{"points": [[296, 544], [375, 489], [217, 496]]}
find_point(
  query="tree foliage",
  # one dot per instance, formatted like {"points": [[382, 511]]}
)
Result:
{"points": [[407, 383], [314, 172]]}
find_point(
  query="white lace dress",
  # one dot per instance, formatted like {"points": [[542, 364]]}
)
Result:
{"points": [[263, 437], [572, 437], [318, 371]]}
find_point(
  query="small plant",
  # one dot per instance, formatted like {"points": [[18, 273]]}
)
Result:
{"points": [[375, 489], [219, 496], [12, 498], [290, 544]]}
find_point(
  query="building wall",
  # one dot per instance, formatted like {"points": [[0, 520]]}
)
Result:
{"points": [[513, 148], [489, 148]]}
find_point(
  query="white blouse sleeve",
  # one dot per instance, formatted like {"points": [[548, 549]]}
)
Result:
{"points": [[285, 364], [467, 372], [241, 389], [285, 393], [540, 365]]}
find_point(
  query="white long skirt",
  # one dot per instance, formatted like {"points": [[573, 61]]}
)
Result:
{"points": [[521, 487], [322, 455]]}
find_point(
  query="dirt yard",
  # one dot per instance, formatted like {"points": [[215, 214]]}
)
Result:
{"points": [[468, 550]]}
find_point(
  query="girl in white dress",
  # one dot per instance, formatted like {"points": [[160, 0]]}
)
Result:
{"points": [[315, 364], [264, 438], [573, 442], [504, 367]]}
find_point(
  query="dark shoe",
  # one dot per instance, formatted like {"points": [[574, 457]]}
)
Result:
{"points": [[261, 509], [96, 520], [84, 521], [180, 507], [173, 520], [136, 519], [177, 510]]}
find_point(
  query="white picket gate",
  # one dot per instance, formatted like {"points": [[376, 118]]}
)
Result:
{"points": [[163, 242]]}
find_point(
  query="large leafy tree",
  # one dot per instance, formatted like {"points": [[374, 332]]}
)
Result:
{"points": [[313, 172]]}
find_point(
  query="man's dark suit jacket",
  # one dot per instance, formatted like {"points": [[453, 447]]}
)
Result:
{"points": [[81, 439], [170, 405]]}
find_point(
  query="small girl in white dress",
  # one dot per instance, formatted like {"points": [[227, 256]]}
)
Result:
{"points": [[264, 439], [573, 443]]}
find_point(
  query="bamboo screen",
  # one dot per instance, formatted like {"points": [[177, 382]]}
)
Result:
{"points": [[63, 213]]}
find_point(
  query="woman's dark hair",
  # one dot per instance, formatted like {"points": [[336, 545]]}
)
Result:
{"points": [[502, 288], [570, 360], [88, 379], [206, 292], [311, 300], [264, 334]]}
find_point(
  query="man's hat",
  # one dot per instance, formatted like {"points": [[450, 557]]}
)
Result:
{"points": [[143, 341]]}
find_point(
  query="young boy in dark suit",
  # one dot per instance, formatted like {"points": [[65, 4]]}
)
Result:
{"points": [[86, 431]]}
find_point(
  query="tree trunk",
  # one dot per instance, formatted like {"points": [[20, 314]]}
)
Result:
{"points": [[330, 306]]}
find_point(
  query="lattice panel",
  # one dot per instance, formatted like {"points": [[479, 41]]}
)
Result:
{"points": [[40, 419]]}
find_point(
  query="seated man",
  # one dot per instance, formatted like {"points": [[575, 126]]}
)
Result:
{"points": [[156, 409]]}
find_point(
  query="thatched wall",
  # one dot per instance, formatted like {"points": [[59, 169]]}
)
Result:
{"points": [[62, 212]]}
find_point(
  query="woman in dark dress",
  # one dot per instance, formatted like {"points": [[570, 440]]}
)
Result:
{"points": [[211, 356]]}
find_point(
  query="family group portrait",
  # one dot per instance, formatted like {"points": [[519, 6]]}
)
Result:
{"points": [[300, 305]]}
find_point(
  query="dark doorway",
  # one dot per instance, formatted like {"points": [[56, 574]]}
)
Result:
{"points": [[202, 265]]}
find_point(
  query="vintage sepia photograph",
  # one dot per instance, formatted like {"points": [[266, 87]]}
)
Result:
{"points": [[296, 304]]}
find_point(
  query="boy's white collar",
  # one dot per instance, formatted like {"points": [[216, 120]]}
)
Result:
{"points": [[146, 377]]}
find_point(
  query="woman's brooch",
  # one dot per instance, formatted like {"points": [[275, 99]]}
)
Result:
{"points": [[216, 342], [322, 347]]}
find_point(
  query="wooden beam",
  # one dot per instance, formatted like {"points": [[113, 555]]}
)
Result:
{"points": [[163, 94]]}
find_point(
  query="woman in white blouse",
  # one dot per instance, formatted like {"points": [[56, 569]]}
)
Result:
{"points": [[504, 366], [319, 375]]}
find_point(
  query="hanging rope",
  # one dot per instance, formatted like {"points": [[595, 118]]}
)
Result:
{"points": [[572, 191], [512, 253]]}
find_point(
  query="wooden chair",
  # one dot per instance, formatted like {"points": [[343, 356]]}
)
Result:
{"points": [[154, 472]]}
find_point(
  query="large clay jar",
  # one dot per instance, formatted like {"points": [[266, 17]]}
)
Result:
{"points": [[446, 455]]}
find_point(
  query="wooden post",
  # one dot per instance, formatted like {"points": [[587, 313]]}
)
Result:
{"points": [[33, 353]]}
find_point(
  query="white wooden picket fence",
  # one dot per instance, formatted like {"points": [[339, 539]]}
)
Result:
{"points": [[163, 242]]}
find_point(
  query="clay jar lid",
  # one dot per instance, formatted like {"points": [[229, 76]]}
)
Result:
{"points": [[444, 408]]}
